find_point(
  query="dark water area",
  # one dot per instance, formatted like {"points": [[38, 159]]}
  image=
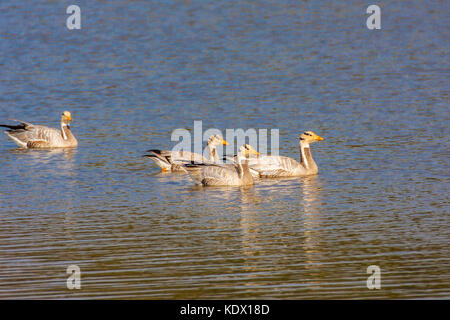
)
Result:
{"points": [[137, 70]]}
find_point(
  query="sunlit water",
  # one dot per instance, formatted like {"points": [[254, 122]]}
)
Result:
{"points": [[137, 70]]}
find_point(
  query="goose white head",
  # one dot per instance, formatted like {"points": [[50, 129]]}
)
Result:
{"points": [[216, 140], [66, 118], [246, 151], [309, 137]]}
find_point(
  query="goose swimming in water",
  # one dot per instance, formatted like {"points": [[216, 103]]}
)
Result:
{"points": [[279, 166], [27, 135], [236, 174], [169, 160]]}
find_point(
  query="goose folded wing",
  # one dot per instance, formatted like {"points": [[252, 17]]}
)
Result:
{"points": [[273, 166]]}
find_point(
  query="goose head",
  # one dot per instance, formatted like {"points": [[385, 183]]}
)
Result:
{"points": [[246, 151], [216, 140], [310, 137], [66, 117]]}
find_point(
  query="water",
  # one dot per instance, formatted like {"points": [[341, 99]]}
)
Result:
{"points": [[137, 70]]}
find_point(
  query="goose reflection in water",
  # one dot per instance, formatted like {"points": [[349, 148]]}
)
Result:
{"points": [[313, 245], [60, 161], [249, 221], [265, 235]]}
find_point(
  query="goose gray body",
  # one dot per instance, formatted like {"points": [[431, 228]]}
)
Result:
{"points": [[213, 174], [169, 160], [280, 166], [29, 136]]}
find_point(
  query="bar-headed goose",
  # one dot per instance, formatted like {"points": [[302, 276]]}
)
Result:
{"points": [[236, 174], [169, 160], [27, 135], [279, 166]]}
